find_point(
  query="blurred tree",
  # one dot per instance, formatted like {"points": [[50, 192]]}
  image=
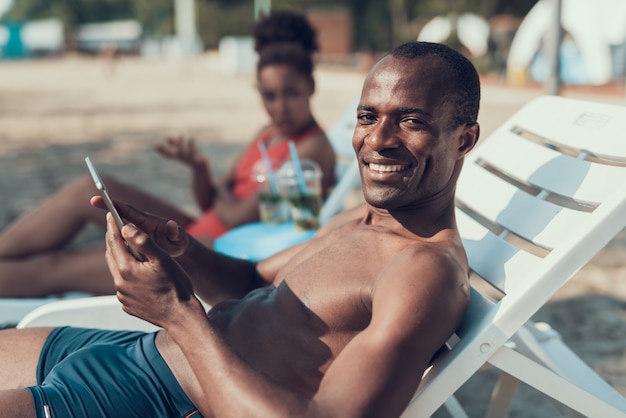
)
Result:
{"points": [[372, 30], [407, 17], [155, 15], [379, 25], [71, 12], [218, 18], [517, 8], [400, 20]]}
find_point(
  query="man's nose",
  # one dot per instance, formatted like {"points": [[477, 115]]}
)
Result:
{"points": [[382, 136]]}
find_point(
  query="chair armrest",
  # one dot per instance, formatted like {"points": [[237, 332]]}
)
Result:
{"points": [[103, 312]]}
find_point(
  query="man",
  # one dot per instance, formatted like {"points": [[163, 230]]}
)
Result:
{"points": [[343, 325]]}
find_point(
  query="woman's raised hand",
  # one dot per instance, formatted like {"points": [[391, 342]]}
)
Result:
{"points": [[182, 149]]}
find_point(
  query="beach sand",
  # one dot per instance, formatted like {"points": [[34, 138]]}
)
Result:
{"points": [[55, 112]]}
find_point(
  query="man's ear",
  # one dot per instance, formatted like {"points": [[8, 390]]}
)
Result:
{"points": [[468, 139]]}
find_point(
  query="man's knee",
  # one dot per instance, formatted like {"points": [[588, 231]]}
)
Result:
{"points": [[19, 356], [17, 403]]}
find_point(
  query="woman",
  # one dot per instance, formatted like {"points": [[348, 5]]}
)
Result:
{"points": [[33, 260]]}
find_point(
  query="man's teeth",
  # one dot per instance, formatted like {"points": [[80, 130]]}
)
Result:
{"points": [[386, 168]]}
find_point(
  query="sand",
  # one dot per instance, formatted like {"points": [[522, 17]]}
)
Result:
{"points": [[55, 112]]}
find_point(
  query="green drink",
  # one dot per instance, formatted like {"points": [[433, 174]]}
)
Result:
{"points": [[305, 209], [303, 192], [272, 208]]}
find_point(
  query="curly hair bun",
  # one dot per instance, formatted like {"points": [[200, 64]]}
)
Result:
{"points": [[284, 26]]}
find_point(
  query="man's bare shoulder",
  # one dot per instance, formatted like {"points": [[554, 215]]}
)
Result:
{"points": [[421, 294], [425, 272], [429, 260]]}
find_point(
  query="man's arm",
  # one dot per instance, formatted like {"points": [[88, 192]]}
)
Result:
{"points": [[215, 276], [417, 303]]}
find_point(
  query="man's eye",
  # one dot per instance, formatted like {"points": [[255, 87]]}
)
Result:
{"points": [[413, 122], [366, 118]]}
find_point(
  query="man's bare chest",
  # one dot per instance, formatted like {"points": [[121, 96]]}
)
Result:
{"points": [[336, 277]]}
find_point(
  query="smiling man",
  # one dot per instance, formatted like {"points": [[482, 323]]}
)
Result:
{"points": [[343, 325]]}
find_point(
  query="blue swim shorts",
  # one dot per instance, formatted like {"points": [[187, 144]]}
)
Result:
{"points": [[99, 373]]}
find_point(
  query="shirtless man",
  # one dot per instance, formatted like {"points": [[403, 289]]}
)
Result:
{"points": [[343, 325]]}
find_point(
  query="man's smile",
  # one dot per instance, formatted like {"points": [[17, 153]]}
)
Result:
{"points": [[387, 168]]}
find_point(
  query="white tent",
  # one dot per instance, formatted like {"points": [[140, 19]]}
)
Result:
{"points": [[594, 25], [125, 35], [44, 35]]}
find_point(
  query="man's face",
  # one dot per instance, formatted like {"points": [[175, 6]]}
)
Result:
{"points": [[405, 145]]}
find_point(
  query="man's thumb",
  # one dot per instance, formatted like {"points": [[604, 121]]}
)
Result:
{"points": [[172, 231]]}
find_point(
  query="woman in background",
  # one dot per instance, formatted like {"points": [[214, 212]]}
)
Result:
{"points": [[34, 260]]}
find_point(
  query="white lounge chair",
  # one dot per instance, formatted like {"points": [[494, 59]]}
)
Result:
{"points": [[536, 201]]}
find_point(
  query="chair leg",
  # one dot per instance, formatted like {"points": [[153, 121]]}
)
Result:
{"points": [[554, 385], [454, 408], [502, 396], [570, 413]]}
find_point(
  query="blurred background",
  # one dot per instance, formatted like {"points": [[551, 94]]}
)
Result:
{"points": [[511, 39], [110, 78]]}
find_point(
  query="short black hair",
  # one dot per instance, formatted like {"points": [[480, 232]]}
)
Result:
{"points": [[285, 37], [464, 88]]}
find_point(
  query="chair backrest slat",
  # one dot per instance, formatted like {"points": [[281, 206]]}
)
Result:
{"points": [[495, 260], [565, 174], [598, 128], [504, 206]]}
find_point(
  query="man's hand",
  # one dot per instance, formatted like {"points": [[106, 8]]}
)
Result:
{"points": [[156, 289], [165, 233]]}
